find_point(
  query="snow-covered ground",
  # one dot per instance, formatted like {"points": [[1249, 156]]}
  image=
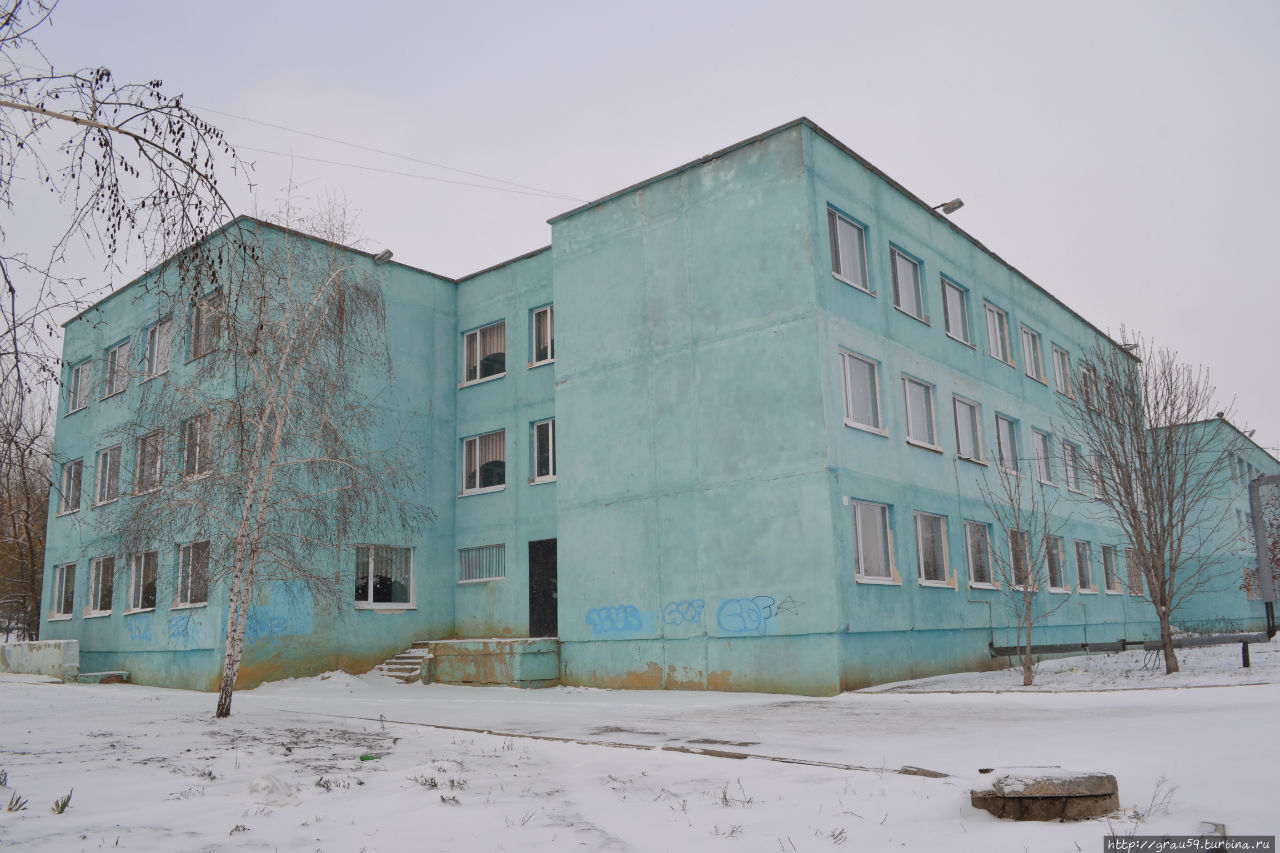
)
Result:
{"points": [[345, 763]]}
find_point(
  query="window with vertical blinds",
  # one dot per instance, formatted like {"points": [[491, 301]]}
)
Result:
{"points": [[485, 352], [484, 563], [484, 462]]}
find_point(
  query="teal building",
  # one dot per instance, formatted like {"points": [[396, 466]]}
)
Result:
{"points": [[728, 431]]}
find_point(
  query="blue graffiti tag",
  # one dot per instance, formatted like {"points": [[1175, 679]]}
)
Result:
{"points": [[260, 627], [180, 627], [614, 620], [139, 628], [681, 612]]}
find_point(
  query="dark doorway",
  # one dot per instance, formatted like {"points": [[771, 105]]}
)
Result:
{"points": [[542, 588]]}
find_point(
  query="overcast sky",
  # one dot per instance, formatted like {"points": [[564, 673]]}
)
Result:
{"points": [[1124, 155]]}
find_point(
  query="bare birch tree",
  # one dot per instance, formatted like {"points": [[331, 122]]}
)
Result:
{"points": [[1033, 562], [1158, 467], [267, 461], [131, 166], [25, 445]]}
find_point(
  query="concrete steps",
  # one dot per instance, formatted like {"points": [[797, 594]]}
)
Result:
{"points": [[407, 666]]}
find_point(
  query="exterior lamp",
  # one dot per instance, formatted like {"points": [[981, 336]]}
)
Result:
{"points": [[382, 257], [949, 207]]}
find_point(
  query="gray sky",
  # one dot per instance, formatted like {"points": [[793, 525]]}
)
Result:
{"points": [[1121, 154]]}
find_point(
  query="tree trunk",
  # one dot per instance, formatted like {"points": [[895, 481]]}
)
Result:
{"points": [[1028, 675], [237, 603], [1166, 641]]}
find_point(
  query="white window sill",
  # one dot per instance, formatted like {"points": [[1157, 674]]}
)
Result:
{"points": [[201, 355], [1088, 591], [134, 610], [482, 380], [865, 428], [1115, 592], [141, 492], [104, 503], [1039, 379], [937, 584], [538, 481], [61, 513], [1001, 360], [1048, 483], [384, 607], [542, 363], [97, 614], [198, 476], [972, 459], [480, 580], [190, 606], [1058, 590], [983, 585], [60, 617], [1077, 492], [465, 493], [960, 340], [877, 580], [1066, 394], [113, 394], [71, 412], [853, 284], [923, 446], [917, 317]]}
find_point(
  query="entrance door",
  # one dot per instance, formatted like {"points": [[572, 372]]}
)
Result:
{"points": [[542, 588]]}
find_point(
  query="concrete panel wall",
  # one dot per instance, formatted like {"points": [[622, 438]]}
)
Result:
{"points": [[55, 658]]}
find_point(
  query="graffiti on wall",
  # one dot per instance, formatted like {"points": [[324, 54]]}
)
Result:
{"points": [[180, 627], [618, 619], [752, 615], [683, 612], [139, 628], [262, 627]]}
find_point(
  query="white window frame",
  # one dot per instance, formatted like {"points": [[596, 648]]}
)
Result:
{"points": [[143, 566], [1014, 581], [159, 347], [1089, 388], [544, 325], [107, 476], [206, 325], [197, 446], [913, 288], [1071, 463], [1062, 371], [189, 569], [1084, 568], [969, 544], [489, 563], [1042, 442], [149, 466], [1110, 575], [861, 510], [949, 322], [1007, 457], [1033, 354], [859, 278], [941, 532], [78, 385], [974, 419], [117, 370], [369, 554], [473, 358], [1055, 551], [64, 592], [544, 431], [848, 363], [72, 483], [98, 568], [998, 334], [472, 463], [931, 442]]}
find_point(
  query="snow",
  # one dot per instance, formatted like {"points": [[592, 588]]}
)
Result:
{"points": [[350, 763]]}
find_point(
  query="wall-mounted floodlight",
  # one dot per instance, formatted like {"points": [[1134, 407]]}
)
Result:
{"points": [[949, 207], [1250, 433], [382, 257]]}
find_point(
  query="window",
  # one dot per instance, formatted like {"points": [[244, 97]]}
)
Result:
{"points": [[1044, 458], [1135, 571], [544, 451], [101, 584], [1084, 567], [955, 310], [193, 574], [159, 337], [485, 563], [142, 580], [920, 428], [1071, 462], [1089, 388], [64, 591], [968, 429], [384, 575], [848, 251], [874, 560], [1110, 577], [978, 543], [117, 369], [108, 471], [998, 334], [1033, 354], [206, 325], [1054, 557], [906, 285], [69, 500], [544, 335], [931, 547], [484, 462], [1018, 558], [485, 352], [1062, 371], [1007, 443], [197, 446], [861, 392], [78, 387], [149, 462]]}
